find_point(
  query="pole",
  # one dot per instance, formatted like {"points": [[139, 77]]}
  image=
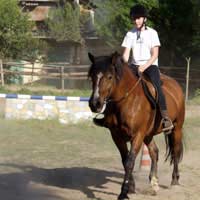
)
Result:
{"points": [[187, 78], [32, 71], [2, 73], [62, 79]]}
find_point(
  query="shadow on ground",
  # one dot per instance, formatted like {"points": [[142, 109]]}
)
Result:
{"points": [[16, 186]]}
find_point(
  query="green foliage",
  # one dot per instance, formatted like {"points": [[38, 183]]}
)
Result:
{"points": [[36, 50], [112, 18], [64, 23], [15, 31], [196, 24], [197, 92], [175, 25], [177, 22]]}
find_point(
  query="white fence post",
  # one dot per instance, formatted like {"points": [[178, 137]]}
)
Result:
{"points": [[2, 73], [187, 78]]}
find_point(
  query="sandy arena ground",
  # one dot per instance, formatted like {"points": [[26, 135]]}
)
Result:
{"points": [[30, 182]]}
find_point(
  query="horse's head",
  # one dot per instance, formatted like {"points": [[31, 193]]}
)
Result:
{"points": [[104, 72]]}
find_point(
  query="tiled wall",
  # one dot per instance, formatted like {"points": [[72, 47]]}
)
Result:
{"points": [[65, 109]]}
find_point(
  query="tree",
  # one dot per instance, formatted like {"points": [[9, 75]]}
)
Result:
{"points": [[175, 26], [112, 19], [196, 24], [16, 39], [64, 23], [177, 22]]}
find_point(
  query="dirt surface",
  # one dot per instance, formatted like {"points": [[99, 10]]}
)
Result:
{"points": [[101, 184], [19, 181]]}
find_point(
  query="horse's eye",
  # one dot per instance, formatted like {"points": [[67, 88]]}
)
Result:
{"points": [[110, 77]]}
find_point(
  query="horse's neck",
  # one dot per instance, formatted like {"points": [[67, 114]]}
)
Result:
{"points": [[128, 78], [127, 81], [129, 75]]}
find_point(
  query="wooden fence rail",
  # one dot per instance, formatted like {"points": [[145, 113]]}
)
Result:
{"points": [[59, 71], [63, 71]]}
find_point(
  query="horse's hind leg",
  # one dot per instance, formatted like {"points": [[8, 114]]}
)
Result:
{"points": [[153, 152], [176, 154]]}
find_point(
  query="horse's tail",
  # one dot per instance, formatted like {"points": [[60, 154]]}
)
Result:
{"points": [[170, 146]]}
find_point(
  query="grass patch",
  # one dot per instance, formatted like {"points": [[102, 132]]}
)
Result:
{"points": [[49, 143], [196, 99], [43, 90]]}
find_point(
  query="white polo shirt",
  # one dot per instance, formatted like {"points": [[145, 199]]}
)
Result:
{"points": [[141, 46]]}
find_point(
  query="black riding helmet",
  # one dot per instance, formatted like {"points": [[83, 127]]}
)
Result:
{"points": [[138, 11]]}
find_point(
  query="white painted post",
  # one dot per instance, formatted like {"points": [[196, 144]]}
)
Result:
{"points": [[187, 78], [62, 79], [2, 73]]}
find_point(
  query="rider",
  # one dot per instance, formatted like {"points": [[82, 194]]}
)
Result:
{"points": [[144, 43]]}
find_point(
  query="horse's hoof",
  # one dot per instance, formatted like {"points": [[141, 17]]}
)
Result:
{"points": [[131, 190], [123, 196], [175, 182], [154, 184]]}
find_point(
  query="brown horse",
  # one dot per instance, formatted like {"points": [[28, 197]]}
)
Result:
{"points": [[131, 118]]}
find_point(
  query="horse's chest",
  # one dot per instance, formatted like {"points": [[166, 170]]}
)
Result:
{"points": [[128, 128], [125, 134]]}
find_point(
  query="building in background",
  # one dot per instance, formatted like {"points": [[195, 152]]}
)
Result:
{"points": [[68, 51]]}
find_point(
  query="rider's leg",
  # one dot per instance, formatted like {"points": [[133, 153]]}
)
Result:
{"points": [[154, 75]]}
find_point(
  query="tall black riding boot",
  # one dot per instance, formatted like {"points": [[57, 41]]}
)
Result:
{"points": [[166, 122]]}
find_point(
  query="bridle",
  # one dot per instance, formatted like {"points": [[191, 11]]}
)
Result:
{"points": [[108, 99], [126, 94]]}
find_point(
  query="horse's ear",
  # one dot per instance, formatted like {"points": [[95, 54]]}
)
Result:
{"points": [[117, 62], [91, 57], [115, 56]]}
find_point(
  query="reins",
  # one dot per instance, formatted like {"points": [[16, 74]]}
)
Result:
{"points": [[126, 94], [121, 99]]}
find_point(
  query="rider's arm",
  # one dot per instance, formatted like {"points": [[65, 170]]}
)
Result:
{"points": [[126, 54], [154, 56]]}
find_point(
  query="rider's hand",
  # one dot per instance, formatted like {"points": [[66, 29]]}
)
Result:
{"points": [[141, 68]]}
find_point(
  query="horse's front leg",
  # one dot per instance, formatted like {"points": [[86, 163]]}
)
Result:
{"points": [[123, 149], [129, 165]]}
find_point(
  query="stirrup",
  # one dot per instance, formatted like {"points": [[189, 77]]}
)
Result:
{"points": [[167, 128]]}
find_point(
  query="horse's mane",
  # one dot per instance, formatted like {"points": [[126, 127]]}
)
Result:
{"points": [[107, 63], [100, 64], [112, 62]]}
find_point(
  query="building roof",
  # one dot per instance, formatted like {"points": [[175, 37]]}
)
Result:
{"points": [[40, 13]]}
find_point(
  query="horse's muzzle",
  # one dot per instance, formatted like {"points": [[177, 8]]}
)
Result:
{"points": [[96, 105]]}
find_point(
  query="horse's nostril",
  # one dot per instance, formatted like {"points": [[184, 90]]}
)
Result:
{"points": [[94, 104], [98, 104]]}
